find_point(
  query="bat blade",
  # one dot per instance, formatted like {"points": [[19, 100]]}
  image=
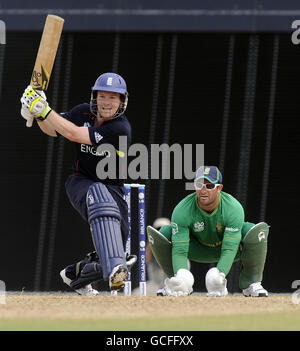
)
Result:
{"points": [[47, 51]]}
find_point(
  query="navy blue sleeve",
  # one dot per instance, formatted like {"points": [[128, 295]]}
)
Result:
{"points": [[109, 133], [78, 114]]}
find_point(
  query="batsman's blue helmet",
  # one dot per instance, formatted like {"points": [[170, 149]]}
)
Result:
{"points": [[110, 82]]}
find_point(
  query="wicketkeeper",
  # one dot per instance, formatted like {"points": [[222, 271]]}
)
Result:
{"points": [[208, 227]]}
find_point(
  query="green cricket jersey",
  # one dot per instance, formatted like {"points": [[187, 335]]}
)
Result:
{"points": [[221, 228]]}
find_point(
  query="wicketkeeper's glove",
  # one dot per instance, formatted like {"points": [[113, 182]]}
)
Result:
{"points": [[181, 284], [215, 282]]}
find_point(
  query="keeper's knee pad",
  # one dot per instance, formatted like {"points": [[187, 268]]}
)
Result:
{"points": [[254, 252], [161, 248]]}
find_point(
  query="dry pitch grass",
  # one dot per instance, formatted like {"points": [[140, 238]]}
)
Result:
{"points": [[72, 312], [102, 306]]}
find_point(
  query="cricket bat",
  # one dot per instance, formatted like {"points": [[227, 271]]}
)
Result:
{"points": [[46, 54]]}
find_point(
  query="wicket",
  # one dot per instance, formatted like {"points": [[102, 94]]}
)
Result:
{"points": [[142, 237]]}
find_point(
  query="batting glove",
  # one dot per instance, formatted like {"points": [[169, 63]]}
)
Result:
{"points": [[35, 102], [26, 114]]}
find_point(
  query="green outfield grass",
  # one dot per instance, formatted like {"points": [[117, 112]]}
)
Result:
{"points": [[260, 321]]}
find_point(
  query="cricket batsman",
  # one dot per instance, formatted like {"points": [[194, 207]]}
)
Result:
{"points": [[208, 226], [100, 202]]}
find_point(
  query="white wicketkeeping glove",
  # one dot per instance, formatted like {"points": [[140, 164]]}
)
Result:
{"points": [[34, 103], [215, 282], [181, 284]]}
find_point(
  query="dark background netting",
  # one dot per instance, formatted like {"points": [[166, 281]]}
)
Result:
{"points": [[186, 88]]}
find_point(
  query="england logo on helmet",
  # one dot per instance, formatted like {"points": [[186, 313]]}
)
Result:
{"points": [[110, 82]]}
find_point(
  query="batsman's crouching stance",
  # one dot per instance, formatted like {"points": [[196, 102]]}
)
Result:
{"points": [[208, 227], [101, 202]]}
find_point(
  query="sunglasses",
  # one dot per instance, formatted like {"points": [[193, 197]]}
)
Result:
{"points": [[208, 186]]}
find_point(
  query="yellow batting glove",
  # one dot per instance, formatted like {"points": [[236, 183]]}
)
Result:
{"points": [[36, 103]]}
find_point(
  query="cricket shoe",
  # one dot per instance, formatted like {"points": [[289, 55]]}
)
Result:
{"points": [[255, 290], [130, 260], [85, 290], [93, 257], [117, 277]]}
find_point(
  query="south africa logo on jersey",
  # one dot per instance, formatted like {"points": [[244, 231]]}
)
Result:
{"points": [[174, 228], [219, 227], [198, 226]]}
